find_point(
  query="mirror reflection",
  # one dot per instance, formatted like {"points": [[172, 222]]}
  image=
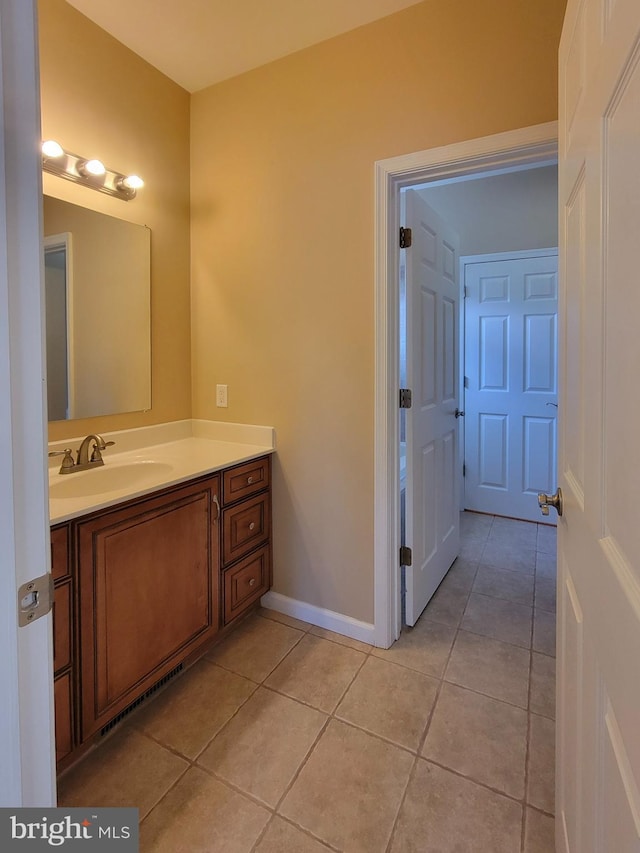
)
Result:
{"points": [[97, 297]]}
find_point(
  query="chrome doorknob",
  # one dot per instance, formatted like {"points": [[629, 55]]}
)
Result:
{"points": [[545, 501], [458, 413]]}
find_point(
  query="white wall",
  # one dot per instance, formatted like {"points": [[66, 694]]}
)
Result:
{"points": [[502, 213]]}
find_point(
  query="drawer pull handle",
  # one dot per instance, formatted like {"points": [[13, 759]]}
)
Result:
{"points": [[249, 481], [252, 581], [252, 525]]}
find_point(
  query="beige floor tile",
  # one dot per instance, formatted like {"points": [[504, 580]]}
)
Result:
{"points": [[262, 747], [461, 574], [282, 837], [471, 550], [540, 777], [539, 836], [489, 666], [317, 672], [445, 813], [202, 815], [475, 525], [340, 639], [546, 565], [509, 555], [447, 605], [349, 791], [424, 647], [500, 583], [291, 621], [547, 539], [255, 648], [390, 701], [544, 632], [194, 707], [128, 769], [546, 594], [479, 737], [513, 532], [497, 618], [543, 685]]}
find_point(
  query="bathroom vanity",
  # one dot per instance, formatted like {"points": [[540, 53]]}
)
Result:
{"points": [[145, 584]]}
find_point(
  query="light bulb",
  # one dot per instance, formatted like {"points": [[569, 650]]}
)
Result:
{"points": [[133, 182], [93, 167], [51, 148]]}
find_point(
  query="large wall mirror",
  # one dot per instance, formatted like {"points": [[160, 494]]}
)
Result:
{"points": [[98, 312]]}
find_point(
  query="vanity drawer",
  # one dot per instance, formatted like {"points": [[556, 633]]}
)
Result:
{"points": [[245, 583], [64, 716], [60, 552], [245, 526], [62, 626], [245, 480]]}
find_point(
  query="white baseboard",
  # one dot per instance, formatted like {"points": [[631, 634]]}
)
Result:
{"points": [[329, 619]]}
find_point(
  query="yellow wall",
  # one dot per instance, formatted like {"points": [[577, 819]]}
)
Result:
{"points": [[100, 99], [282, 246], [282, 231]]}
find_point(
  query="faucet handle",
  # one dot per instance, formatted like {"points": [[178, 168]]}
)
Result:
{"points": [[67, 463], [96, 455]]}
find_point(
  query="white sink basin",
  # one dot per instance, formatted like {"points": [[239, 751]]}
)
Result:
{"points": [[109, 478]]}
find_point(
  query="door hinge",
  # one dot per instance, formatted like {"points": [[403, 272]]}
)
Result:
{"points": [[405, 238], [35, 599], [406, 556], [464, 469], [405, 398]]}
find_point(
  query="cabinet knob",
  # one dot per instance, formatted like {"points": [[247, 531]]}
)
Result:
{"points": [[252, 525], [249, 481], [252, 582]]}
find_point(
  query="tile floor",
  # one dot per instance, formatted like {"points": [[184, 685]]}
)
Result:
{"points": [[289, 739]]}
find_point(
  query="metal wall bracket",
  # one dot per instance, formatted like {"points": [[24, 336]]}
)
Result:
{"points": [[35, 599]]}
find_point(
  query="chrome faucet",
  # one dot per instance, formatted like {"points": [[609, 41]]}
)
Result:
{"points": [[83, 461]]}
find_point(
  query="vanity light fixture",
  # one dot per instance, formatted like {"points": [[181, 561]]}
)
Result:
{"points": [[89, 172]]}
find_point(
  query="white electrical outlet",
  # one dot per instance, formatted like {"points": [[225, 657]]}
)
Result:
{"points": [[221, 396]]}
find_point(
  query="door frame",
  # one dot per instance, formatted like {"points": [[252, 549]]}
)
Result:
{"points": [[503, 152]]}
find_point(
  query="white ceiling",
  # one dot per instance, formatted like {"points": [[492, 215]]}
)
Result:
{"points": [[200, 42]]}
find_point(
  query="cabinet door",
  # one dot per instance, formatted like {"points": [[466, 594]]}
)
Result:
{"points": [[148, 595]]}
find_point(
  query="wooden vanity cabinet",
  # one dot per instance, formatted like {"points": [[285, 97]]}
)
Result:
{"points": [[149, 594], [145, 586]]}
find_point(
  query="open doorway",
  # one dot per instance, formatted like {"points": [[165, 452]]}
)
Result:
{"points": [[477, 336], [479, 159]]}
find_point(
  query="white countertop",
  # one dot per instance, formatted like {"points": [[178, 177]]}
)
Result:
{"points": [[159, 457]]}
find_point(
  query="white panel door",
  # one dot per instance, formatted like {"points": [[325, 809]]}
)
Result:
{"points": [[432, 515], [511, 310], [27, 758], [598, 771]]}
